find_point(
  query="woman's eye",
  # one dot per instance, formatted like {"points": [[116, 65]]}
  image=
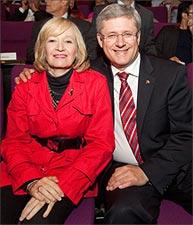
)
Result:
{"points": [[51, 40], [68, 41]]}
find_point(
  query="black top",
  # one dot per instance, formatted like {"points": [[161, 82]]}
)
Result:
{"points": [[184, 46], [58, 86]]}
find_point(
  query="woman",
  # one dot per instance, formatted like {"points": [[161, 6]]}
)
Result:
{"points": [[60, 131]]}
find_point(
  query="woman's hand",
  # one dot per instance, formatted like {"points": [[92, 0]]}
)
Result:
{"points": [[33, 206], [46, 189]]}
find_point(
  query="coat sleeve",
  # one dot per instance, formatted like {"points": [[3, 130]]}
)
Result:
{"points": [[76, 180], [18, 149]]}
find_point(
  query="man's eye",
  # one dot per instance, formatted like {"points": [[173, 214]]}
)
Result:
{"points": [[127, 35], [112, 36]]}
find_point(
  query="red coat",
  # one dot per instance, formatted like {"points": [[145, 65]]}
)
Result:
{"points": [[84, 110]]}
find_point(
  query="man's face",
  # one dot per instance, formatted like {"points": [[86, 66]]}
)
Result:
{"points": [[127, 2], [119, 39], [57, 7], [190, 18]]}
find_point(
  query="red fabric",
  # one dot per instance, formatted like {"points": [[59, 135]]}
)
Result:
{"points": [[128, 115], [86, 112]]}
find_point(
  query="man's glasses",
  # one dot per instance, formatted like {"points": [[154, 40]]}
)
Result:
{"points": [[126, 36]]}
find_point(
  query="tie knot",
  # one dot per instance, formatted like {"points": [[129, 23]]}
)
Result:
{"points": [[123, 76]]}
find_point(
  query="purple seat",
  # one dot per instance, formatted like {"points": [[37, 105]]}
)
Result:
{"points": [[160, 13], [16, 70], [190, 74], [171, 213], [2, 107], [158, 26], [15, 37], [83, 214], [84, 6]]}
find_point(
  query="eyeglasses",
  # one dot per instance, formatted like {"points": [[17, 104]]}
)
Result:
{"points": [[127, 37]]}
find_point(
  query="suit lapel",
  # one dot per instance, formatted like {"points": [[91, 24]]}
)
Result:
{"points": [[145, 88]]}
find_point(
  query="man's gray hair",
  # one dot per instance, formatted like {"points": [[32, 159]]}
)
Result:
{"points": [[115, 11]]}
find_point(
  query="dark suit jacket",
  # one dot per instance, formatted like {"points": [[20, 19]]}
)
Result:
{"points": [[83, 26], [167, 40], [19, 16], [164, 118], [147, 39]]}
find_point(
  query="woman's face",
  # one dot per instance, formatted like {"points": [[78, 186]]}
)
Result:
{"points": [[61, 52]]}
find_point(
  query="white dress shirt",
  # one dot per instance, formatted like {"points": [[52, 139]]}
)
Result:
{"points": [[123, 152]]}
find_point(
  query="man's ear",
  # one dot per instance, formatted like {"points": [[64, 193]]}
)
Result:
{"points": [[99, 39], [138, 37]]}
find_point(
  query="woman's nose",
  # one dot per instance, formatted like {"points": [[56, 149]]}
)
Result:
{"points": [[60, 46]]}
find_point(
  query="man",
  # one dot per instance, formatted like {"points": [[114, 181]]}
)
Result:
{"points": [[162, 100], [147, 36], [190, 18], [29, 11], [153, 153], [174, 42], [55, 8]]}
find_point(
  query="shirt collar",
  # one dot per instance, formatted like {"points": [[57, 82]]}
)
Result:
{"points": [[65, 15], [132, 69]]}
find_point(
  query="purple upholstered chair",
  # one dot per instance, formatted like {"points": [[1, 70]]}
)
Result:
{"points": [[171, 213], [190, 74], [16, 70], [160, 13], [2, 107], [15, 37], [158, 26], [84, 213]]}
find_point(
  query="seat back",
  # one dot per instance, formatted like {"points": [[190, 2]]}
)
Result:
{"points": [[1, 107], [158, 26], [171, 213], [190, 74], [15, 37], [160, 13], [83, 214], [16, 70]]}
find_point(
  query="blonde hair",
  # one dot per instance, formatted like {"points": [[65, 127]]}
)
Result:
{"points": [[55, 27]]}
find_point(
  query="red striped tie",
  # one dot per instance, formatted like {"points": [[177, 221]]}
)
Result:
{"points": [[128, 115]]}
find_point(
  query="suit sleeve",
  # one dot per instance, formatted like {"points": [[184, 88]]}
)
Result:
{"points": [[18, 15], [164, 165]]}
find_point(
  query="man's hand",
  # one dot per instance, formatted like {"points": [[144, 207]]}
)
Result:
{"points": [[33, 206], [24, 75], [24, 4], [46, 189], [127, 176], [33, 5], [176, 59]]}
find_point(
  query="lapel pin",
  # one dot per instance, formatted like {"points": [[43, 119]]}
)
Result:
{"points": [[147, 82]]}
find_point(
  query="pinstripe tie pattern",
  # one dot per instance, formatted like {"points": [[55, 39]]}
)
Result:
{"points": [[128, 115]]}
